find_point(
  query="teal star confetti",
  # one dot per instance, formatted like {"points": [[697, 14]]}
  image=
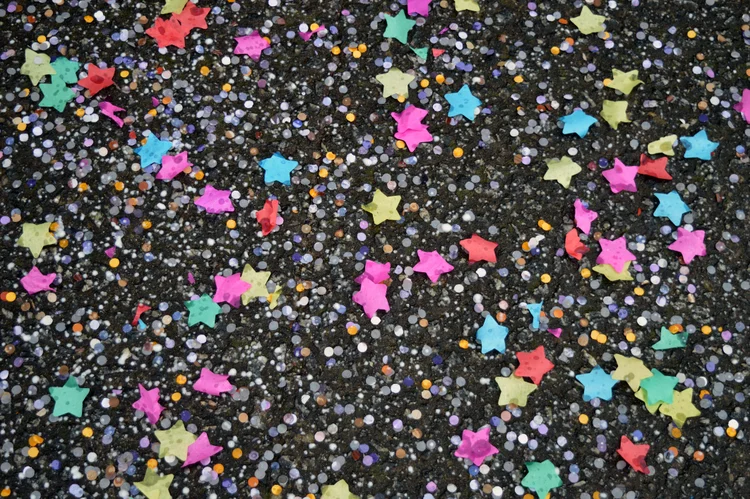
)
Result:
{"points": [[463, 103], [698, 146], [659, 388], [492, 335], [56, 94], [204, 310], [668, 341], [671, 206], [66, 69], [152, 152], [542, 478], [597, 384], [68, 398], [578, 122], [398, 27], [278, 169]]}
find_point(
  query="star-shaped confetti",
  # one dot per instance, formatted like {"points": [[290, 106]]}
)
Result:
{"points": [[192, 17], [659, 388], [514, 390], [698, 146], [463, 103], [668, 341], [211, 383], [615, 252], [681, 408], [631, 370], [479, 249], [35, 281], [339, 490], [230, 289], [542, 477], [471, 5], [597, 383], [663, 145], [35, 237], [562, 170], [535, 309], [611, 274], [175, 441], [200, 450], [68, 398], [689, 244], [476, 446], [251, 45], [584, 216], [492, 335], [656, 168], [574, 247], [420, 7], [149, 403], [36, 66], [641, 395], [257, 281], [615, 112], [743, 106], [168, 32], [267, 216], [432, 264], [278, 169], [383, 207], [587, 22], [155, 486], [398, 27], [66, 70], [173, 6], [98, 79], [375, 271], [533, 365], [56, 94], [577, 122], [395, 82], [153, 150], [204, 310], [634, 455], [621, 177], [372, 297], [171, 166], [671, 206], [215, 200], [622, 81]]}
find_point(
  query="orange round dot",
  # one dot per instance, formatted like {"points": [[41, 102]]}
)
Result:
{"points": [[323, 173], [231, 224], [555, 50], [458, 152], [33, 452], [152, 463], [676, 433], [698, 456], [181, 379], [400, 144], [205, 70], [426, 384], [10, 296], [146, 224], [114, 263], [252, 481], [276, 490], [463, 344], [237, 453], [5, 492], [77, 327], [219, 468], [440, 79], [119, 186], [176, 396], [583, 419], [87, 432], [199, 175]]}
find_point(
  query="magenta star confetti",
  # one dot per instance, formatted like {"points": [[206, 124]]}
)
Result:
{"points": [[689, 244], [615, 253], [432, 264], [149, 403], [372, 297], [215, 200], [212, 383], [476, 446], [35, 282], [252, 45], [230, 289]]}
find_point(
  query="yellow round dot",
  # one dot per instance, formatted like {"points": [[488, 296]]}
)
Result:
{"points": [[639, 291], [352, 330], [41, 38], [300, 287], [323, 173], [205, 70], [330, 156], [276, 490], [87, 432], [583, 419], [124, 73], [152, 463], [630, 337], [691, 34], [89, 19], [706, 330], [426, 384], [440, 79], [362, 47], [518, 79], [226, 87], [114, 262], [237, 453], [357, 54], [458, 152], [336, 50], [34, 451], [585, 273], [602, 338], [22, 126], [181, 379], [424, 83], [176, 397], [11, 296], [595, 334], [463, 344], [400, 144], [546, 278], [146, 224], [314, 27], [350, 117], [731, 432], [555, 50], [231, 224]]}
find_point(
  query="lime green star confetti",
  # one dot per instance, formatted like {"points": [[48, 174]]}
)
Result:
{"points": [[514, 390], [175, 441], [398, 27], [258, 280], [663, 145], [273, 298], [155, 486], [174, 6], [66, 69], [68, 398], [587, 22], [611, 274], [383, 208], [630, 370], [471, 5], [56, 94], [562, 170], [35, 237], [395, 82], [615, 112], [668, 341], [339, 490], [643, 397], [37, 66], [624, 82], [681, 407]]}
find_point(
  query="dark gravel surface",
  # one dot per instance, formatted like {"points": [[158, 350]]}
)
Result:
{"points": [[321, 392]]}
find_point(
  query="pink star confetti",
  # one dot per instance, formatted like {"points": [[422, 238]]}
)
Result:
{"points": [[432, 264], [212, 383], [171, 166], [149, 403], [410, 128], [375, 271], [201, 449], [372, 297], [689, 244], [252, 45], [584, 216], [35, 281], [108, 109], [215, 200], [230, 289], [621, 177], [615, 253], [420, 7], [743, 106], [476, 446]]}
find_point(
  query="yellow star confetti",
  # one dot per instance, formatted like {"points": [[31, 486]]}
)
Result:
{"points": [[514, 390], [587, 22], [615, 112], [681, 407], [624, 82], [35, 237], [610, 273], [383, 208]]}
